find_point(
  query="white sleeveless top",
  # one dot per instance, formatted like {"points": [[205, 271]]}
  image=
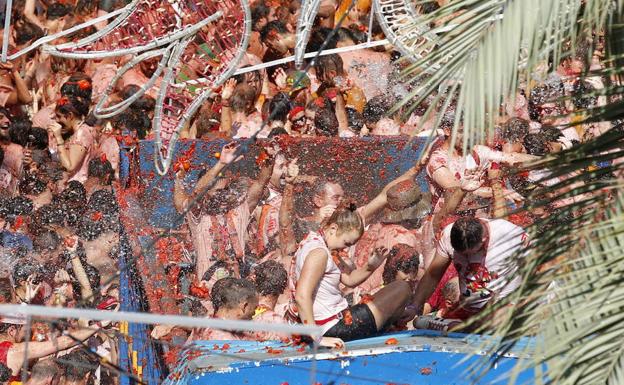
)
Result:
{"points": [[328, 299]]}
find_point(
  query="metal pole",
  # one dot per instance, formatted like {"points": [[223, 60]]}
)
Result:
{"points": [[7, 26]]}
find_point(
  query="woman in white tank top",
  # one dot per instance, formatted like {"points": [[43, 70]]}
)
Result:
{"points": [[316, 295]]}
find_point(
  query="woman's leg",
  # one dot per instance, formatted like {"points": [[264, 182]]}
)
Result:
{"points": [[389, 302]]}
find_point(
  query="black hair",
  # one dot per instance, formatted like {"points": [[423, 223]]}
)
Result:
{"points": [[320, 36], [277, 131], [74, 105], [270, 278], [279, 108], [30, 184], [19, 205], [258, 12], [581, 94], [89, 228], [19, 131], [536, 144], [466, 233], [75, 192], [356, 119], [26, 31], [230, 292], [104, 201], [376, 108], [38, 138], [78, 85], [101, 169], [515, 129], [545, 93], [77, 365], [326, 123], [275, 25], [57, 10], [550, 133], [23, 270]]}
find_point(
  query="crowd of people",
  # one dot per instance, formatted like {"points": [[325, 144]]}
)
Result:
{"points": [[355, 268]]}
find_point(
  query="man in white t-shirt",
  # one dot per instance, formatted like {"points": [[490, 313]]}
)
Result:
{"points": [[483, 252]]}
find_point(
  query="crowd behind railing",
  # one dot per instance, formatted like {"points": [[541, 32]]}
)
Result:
{"points": [[356, 268]]}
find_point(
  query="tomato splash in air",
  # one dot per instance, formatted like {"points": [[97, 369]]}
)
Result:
{"points": [[425, 371]]}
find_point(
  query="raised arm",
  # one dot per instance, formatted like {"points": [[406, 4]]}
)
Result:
{"points": [[287, 239], [359, 275], [380, 201], [226, 108], [257, 187], [499, 208]]}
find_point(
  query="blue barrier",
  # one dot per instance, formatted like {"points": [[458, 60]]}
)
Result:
{"points": [[416, 357]]}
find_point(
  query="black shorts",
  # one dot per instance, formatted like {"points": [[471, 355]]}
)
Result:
{"points": [[357, 322]]}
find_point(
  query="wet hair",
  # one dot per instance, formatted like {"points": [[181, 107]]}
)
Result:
{"points": [[258, 12], [581, 97], [18, 205], [19, 131], [57, 10], [31, 185], [38, 138], [47, 215], [46, 240], [134, 120], [26, 31], [279, 108], [270, 278], [23, 270], [376, 108], [101, 169], [344, 34], [74, 105], [356, 120], [318, 37], [4, 111], [75, 192], [326, 123], [229, 293], [104, 201], [536, 144], [550, 133], [85, 7], [346, 218], [545, 93], [466, 233], [277, 131], [275, 25], [327, 63], [89, 228], [78, 85], [357, 36], [77, 365], [44, 369], [515, 129], [402, 258], [242, 98]]}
